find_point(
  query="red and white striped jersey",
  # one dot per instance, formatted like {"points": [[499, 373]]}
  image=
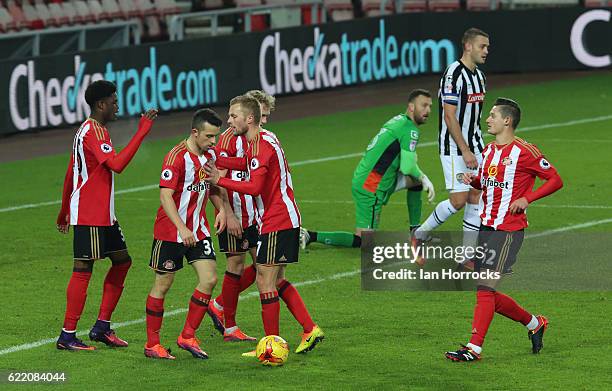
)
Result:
{"points": [[508, 173], [277, 207], [92, 201], [243, 205], [183, 172]]}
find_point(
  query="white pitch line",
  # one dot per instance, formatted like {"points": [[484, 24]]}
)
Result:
{"points": [[403, 203], [568, 228], [336, 276], [32, 345], [324, 159]]}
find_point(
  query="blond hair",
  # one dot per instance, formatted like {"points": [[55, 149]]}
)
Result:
{"points": [[263, 98], [248, 106]]}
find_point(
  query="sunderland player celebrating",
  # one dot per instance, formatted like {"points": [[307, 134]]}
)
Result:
{"points": [[461, 100], [278, 244], [88, 203], [241, 234], [181, 230], [506, 178], [391, 152]]}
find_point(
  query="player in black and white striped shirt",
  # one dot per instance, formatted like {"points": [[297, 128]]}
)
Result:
{"points": [[461, 100]]}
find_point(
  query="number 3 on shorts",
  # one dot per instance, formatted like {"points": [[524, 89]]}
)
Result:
{"points": [[207, 247]]}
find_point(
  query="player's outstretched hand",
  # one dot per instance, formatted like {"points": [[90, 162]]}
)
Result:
{"points": [[212, 174], [234, 226], [429, 188], [146, 120], [63, 224], [220, 221], [151, 114], [470, 160], [467, 177], [519, 205], [188, 239]]}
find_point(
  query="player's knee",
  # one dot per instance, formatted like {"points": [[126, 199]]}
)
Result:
{"points": [[121, 258], [235, 263], [83, 266], [458, 203], [163, 283]]}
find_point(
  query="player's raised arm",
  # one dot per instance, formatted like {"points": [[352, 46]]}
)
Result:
{"points": [[252, 187], [232, 163], [118, 162]]}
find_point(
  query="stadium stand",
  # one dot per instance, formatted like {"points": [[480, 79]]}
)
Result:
{"points": [[339, 10], [372, 8], [153, 16]]}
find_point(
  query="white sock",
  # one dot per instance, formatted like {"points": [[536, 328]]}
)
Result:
{"points": [[68, 331], [477, 349], [443, 211], [217, 305], [533, 323], [471, 225]]}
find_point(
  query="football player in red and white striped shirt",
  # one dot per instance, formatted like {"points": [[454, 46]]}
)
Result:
{"points": [[88, 204], [181, 231], [506, 177], [278, 245], [241, 234]]}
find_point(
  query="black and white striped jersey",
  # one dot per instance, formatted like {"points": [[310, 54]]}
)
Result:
{"points": [[461, 87]]}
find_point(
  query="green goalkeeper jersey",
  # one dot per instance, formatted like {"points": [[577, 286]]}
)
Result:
{"points": [[391, 151]]}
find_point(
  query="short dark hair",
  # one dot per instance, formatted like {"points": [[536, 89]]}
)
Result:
{"points": [[509, 108], [416, 93], [205, 115], [97, 90], [472, 33], [250, 104]]}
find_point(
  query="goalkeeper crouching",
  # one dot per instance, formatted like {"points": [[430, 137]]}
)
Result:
{"points": [[388, 165]]}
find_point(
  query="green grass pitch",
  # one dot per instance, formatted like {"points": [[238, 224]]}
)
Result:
{"points": [[375, 340]]}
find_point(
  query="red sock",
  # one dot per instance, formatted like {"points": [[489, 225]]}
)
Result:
{"points": [[248, 277], [296, 305], [270, 312], [197, 309], [155, 316], [76, 294], [230, 292], [483, 315], [246, 280], [507, 307], [113, 286]]}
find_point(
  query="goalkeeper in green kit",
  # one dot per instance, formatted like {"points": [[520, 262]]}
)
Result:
{"points": [[389, 165]]}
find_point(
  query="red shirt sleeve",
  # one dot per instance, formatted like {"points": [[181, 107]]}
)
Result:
{"points": [[171, 173], [98, 143], [258, 167], [540, 167]]}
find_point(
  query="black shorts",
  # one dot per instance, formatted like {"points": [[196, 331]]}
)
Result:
{"points": [[167, 257], [278, 248], [501, 249], [233, 245], [92, 242]]}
